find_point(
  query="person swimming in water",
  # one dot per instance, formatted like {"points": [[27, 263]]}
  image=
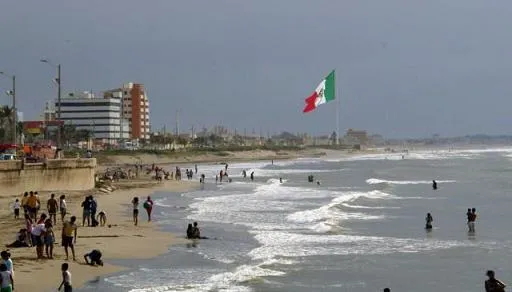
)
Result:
{"points": [[428, 220], [434, 185]]}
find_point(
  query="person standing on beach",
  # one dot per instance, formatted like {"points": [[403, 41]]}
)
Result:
{"points": [[29, 225], [434, 185], [68, 230], [52, 206], [38, 233], [493, 284], [472, 219], [196, 168], [135, 203], [86, 214], [148, 205], [24, 202], [63, 207], [17, 209], [49, 238], [6, 259], [32, 204], [66, 278], [6, 279], [94, 209], [428, 220], [252, 175]]}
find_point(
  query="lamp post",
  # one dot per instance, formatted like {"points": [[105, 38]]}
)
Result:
{"points": [[58, 81], [12, 93]]}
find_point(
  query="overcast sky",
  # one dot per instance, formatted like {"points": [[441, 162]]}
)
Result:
{"points": [[405, 68]]}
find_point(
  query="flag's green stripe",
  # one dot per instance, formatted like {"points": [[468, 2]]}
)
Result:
{"points": [[330, 88]]}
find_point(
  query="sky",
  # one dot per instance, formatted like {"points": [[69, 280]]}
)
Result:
{"points": [[405, 68]]}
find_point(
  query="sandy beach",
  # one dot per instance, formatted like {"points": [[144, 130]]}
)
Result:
{"points": [[121, 241]]}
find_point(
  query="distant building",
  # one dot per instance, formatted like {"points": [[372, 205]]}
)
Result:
{"points": [[135, 108], [101, 116], [356, 137]]}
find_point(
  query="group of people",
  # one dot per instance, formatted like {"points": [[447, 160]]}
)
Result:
{"points": [[148, 206], [193, 232]]}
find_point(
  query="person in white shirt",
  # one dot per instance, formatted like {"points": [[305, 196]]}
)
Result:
{"points": [[6, 280], [17, 206], [63, 207], [66, 278], [37, 239]]}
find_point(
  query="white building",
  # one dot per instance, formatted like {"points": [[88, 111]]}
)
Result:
{"points": [[135, 108], [101, 116]]}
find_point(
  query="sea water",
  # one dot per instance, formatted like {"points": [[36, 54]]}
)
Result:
{"points": [[361, 229]]}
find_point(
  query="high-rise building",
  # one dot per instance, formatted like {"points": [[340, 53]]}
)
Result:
{"points": [[101, 116], [135, 108]]}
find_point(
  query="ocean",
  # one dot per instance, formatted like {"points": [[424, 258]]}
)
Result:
{"points": [[361, 229]]}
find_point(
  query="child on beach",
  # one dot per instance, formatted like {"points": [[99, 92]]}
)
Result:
{"points": [[66, 278], [49, 238], [6, 280], [63, 207], [6, 260], [17, 206], [28, 225], [148, 205], [135, 203]]}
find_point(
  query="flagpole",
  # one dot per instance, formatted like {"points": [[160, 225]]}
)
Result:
{"points": [[338, 105]]}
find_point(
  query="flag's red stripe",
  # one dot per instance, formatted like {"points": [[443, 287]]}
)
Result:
{"points": [[310, 103]]}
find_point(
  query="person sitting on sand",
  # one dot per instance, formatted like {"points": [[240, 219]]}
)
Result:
{"points": [[190, 232], [493, 284], [102, 218], [196, 233], [21, 239], [94, 257]]}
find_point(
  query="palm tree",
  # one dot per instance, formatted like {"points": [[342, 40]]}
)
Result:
{"points": [[6, 120]]}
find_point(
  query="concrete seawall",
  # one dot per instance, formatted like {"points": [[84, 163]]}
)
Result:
{"points": [[54, 175]]}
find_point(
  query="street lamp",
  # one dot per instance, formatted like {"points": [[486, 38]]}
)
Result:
{"points": [[12, 93], [58, 81]]}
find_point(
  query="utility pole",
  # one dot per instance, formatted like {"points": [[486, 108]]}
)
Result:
{"points": [[59, 132], [177, 123]]}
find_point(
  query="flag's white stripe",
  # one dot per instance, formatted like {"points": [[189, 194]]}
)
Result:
{"points": [[320, 91]]}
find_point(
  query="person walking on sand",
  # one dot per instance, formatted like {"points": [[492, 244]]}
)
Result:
{"points": [[68, 230], [32, 204], [17, 209], [63, 207], [52, 207], [38, 233], [6, 279], [66, 279], [135, 203], [148, 205], [493, 284]]}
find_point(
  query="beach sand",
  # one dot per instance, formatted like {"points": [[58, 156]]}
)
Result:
{"points": [[122, 241]]}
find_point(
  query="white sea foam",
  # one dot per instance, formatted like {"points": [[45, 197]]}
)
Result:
{"points": [[287, 244], [373, 181], [226, 281]]}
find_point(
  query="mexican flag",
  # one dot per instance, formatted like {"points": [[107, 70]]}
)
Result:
{"points": [[324, 93]]}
